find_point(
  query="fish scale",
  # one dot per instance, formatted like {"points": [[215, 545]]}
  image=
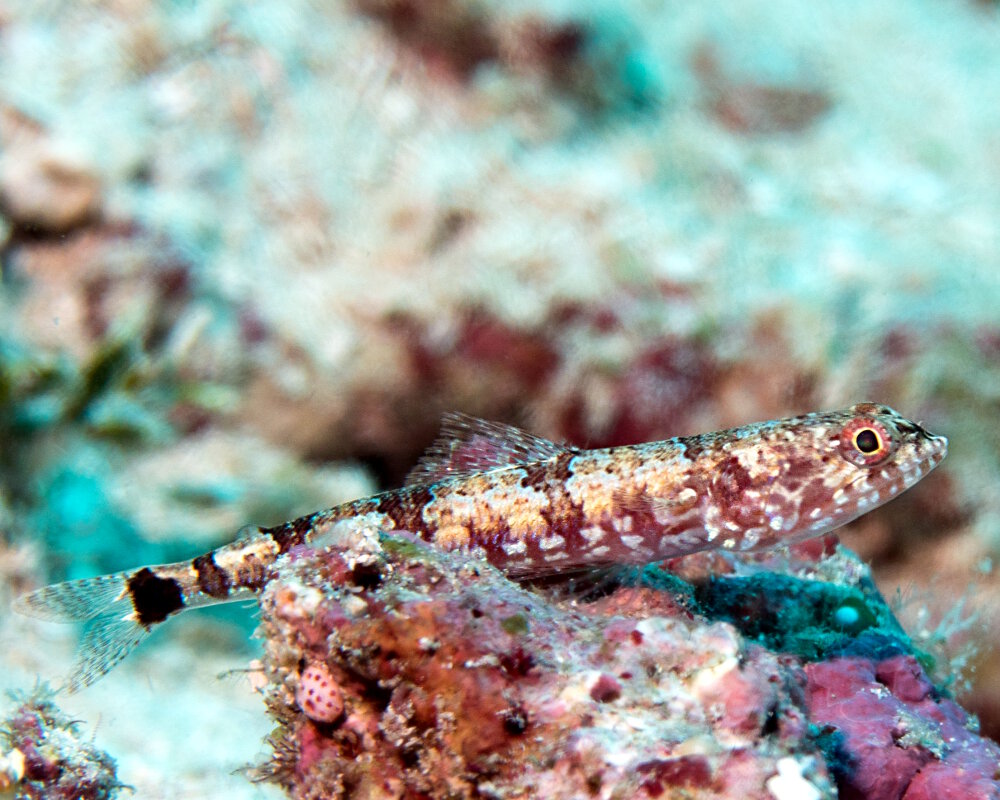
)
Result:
{"points": [[536, 509]]}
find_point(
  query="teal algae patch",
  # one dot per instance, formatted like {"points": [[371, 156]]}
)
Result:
{"points": [[814, 620]]}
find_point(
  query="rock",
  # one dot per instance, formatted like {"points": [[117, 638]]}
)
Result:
{"points": [[46, 187], [450, 680], [457, 682], [44, 756]]}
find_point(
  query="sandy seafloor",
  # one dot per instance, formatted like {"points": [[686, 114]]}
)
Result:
{"points": [[317, 226]]}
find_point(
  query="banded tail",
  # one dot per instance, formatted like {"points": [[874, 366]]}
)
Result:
{"points": [[120, 610]]}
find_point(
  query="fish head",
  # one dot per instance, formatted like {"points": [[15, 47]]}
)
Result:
{"points": [[805, 476]]}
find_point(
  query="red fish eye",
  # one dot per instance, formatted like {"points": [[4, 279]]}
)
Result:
{"points": [[865, 442]]}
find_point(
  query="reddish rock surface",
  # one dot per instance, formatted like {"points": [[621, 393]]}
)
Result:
{"points": [[895, 736], [457, 682]]}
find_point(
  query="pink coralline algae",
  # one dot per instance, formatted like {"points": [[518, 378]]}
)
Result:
{"points": [[895, 737], [456, 682]]}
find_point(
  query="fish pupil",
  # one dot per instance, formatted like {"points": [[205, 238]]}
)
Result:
{"points": [[866, 441]]}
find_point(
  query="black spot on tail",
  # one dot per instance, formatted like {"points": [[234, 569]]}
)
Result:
{"points": [[154, 598], [211, 580]]}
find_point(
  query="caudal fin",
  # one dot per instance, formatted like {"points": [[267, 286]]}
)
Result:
{"points": [[111, 631]]}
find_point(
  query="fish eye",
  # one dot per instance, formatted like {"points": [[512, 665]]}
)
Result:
{"points": [[865, 441]]}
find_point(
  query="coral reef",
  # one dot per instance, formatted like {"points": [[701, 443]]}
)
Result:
{"points": [[456, 682], [43, 756], [446, 679], [249, 253], [45, 188], [97, 461]]}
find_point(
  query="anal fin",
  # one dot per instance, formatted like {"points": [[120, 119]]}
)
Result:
{"points": [[584, 585]]}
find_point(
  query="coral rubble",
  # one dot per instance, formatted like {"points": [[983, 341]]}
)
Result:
{"points": [[398, 671], [456, 682], [44, 757]]}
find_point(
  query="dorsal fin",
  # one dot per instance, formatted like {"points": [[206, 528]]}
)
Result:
{"points": [[467, 445]]}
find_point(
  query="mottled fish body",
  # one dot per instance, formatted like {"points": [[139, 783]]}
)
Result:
{"points": [[534, 508]]}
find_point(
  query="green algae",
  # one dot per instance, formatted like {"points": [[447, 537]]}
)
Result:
{"points": [[403, 549]]}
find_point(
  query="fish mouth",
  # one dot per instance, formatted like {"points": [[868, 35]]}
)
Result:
{"points": [[931, 455], [939, 449]]}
